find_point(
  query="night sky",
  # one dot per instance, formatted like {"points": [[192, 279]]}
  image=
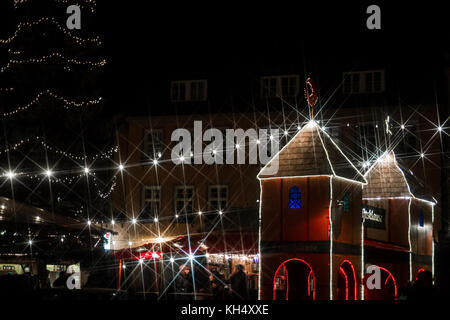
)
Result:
{"points": [[146, 41]]}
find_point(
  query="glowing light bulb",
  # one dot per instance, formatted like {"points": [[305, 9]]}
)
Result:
{"points": [[237, 146], [403, 127], [182, 158], [199, 213], [220, 212], [10, 174], [155, 220], [285, 133], [141, 261], [113, 222], [299, 128], [422, 155], [172, 260], [89, 222], [121, 167], [271, 137], [439, 128], [191, 256], [48, 173], [176, 216], [30, 242], [133, 221], [130, 243], [257, 141], [86, 170]]}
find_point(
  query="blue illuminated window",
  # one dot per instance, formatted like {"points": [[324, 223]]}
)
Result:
{"points": [[295, 199], [421, 218]]}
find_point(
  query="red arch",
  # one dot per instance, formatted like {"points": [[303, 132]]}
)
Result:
{"points": [[341, 270], [418, 272], [393, 279], [354, 280], [287, 279]]}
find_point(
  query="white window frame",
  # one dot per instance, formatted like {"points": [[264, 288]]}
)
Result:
{"points": [[187, 90], [152, 199], [362, 82], [219, 198], [149, 144], [278, 92], [185, 199]]}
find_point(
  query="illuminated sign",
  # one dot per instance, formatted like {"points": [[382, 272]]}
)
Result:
{"points": [[149, 255], [374, 217], [107, 243]]}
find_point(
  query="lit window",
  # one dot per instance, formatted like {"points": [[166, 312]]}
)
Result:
{"points": [[295, 201], [421, 219], [188, 90]]}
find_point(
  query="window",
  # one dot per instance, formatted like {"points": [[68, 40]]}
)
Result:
{"points": [[217, 197], [153, 142], [184, 202], [152, 202], [280, 86], [363, 82], [346, 202], [421, 219], [189, 90], [295, 201]]}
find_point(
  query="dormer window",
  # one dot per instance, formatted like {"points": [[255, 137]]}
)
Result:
{"points": [[280, 86], [188, 90], [363, 82]]}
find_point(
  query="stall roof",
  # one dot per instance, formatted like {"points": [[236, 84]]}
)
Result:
{"points": [[12, 211], [214, 243]]}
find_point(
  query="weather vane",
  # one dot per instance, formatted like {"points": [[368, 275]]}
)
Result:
{"points": [[388, 130], [311, 97]]}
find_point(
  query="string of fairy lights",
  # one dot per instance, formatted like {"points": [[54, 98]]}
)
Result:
{"points": [[100, 155], [45, 58], [50, 20], [64, 176], [67, 104]]}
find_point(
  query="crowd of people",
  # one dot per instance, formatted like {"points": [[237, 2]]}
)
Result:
{"points": [[216, 288]]}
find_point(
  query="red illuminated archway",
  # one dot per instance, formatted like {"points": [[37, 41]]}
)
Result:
{"points": [[347, 288], [388, 276], [310, 277], [418, 272]]}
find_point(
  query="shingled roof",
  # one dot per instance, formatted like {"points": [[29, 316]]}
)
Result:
{"points": [[387, 180], [311, 152]]}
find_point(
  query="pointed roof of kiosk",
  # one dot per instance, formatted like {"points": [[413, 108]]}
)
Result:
{"points": [[386, 180], [311, 152]]}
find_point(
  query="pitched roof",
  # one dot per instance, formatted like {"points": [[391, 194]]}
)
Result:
{"points": [[311, 152], [386, 180]]}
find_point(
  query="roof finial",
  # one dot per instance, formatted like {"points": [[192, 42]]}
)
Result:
{"points": [[311, 97]]}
